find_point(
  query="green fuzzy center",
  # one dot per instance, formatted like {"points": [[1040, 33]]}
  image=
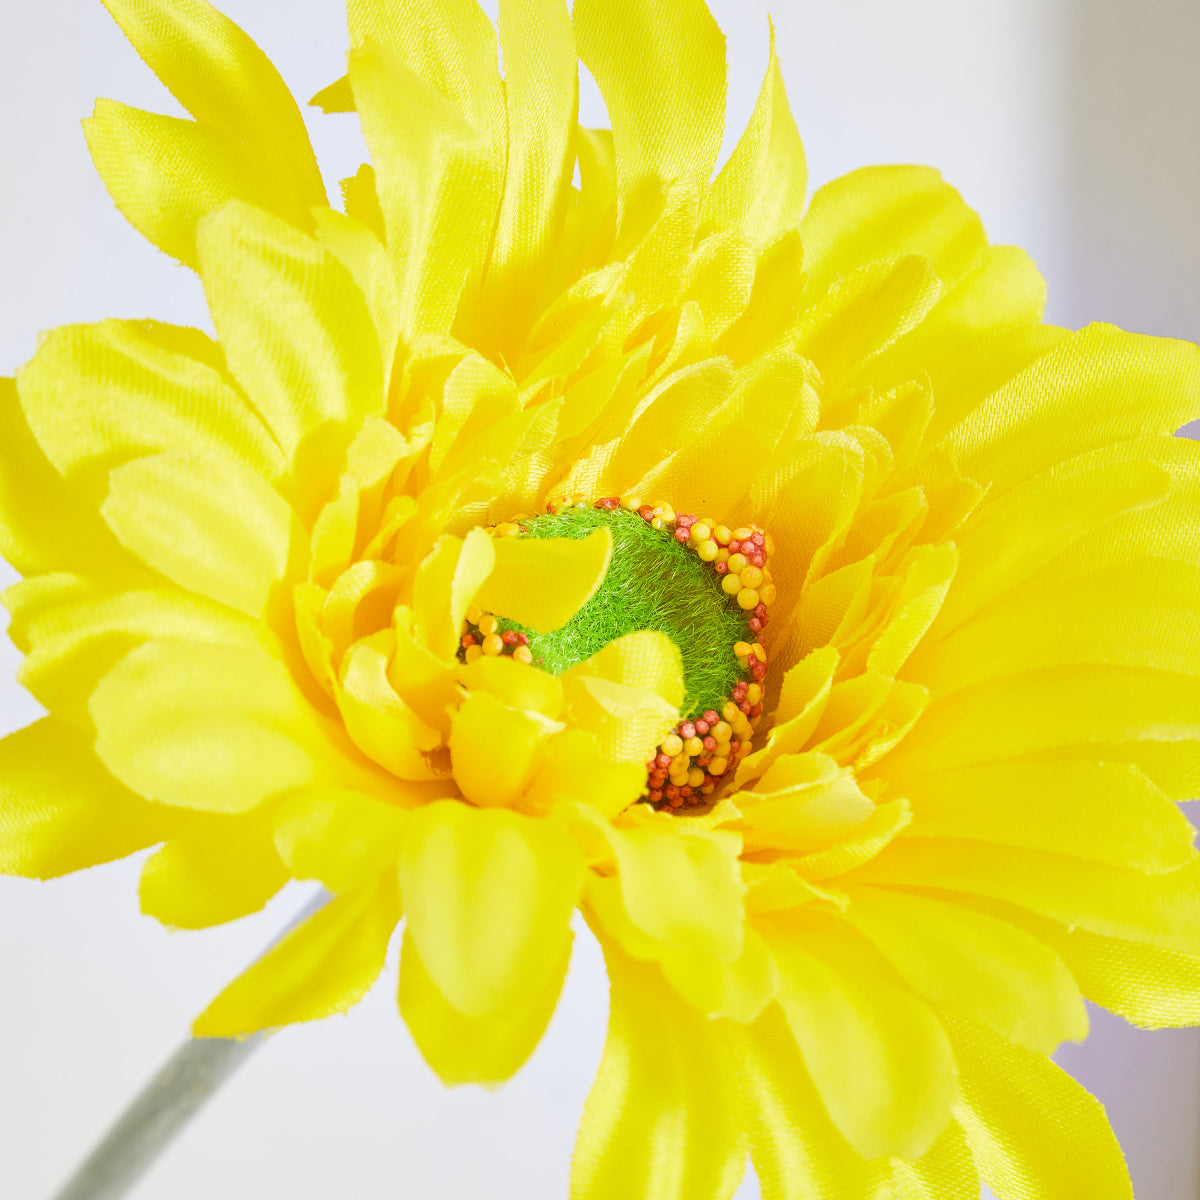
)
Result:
{"points": [[653, 583]]}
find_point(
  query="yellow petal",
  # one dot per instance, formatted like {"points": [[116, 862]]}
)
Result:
{"points": [[1105, 812], [680, 887], [888, 212], [797, 1150], [541, 95], [517, 684], [543, 582], [165, 174], [324, 967], [298, 336], [495, 749], [803, 801], [463, 1049], [876, 1053], [1033, 1131], [572, 769], [62, 528], [661, 70], [1148, 986], [60, 810], [739, 989], [1099, 712], [1011, 537], [212, 526], [858, 845], [1076, 398], [973, 966], [627, 695], [438, 177], [379, 723], [75, 629], [865, 314], [449, 44], [216, 868], [489, 895], [340, 837], [96, 395], [229, 85], [218, 728], [762, 186], [803, 696], [662, 1109], [1162, 910]]}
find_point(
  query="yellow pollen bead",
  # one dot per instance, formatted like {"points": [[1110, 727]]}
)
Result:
{"points": [[523, 654], [473, 652], [745, 747], [700, 532], [721, 731], [767, 594], [493, 644], [769, 544], [693, 746], [507, 529], [695, 776], [678, 778], [681, 762], [718, 766], [706, 550], [743, 649], [709, 521], [658, 523], [473, 615], [730, 712], [672, 744], [758, 652], [754, 693], [737, 563], [731, 584], [742, 532], [747, 598], [708, 789], [722, 534], [722, 555], [722, 750], [487, 624], [751, 576], [632, 503]]}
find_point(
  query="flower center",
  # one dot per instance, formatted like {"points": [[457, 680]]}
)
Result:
{"points": [[704, 585]]}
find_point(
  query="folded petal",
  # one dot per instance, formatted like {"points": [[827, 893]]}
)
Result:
{"points": [[324, 966], [474, 1049], [489, 894], [543, 582], [60, 810]]}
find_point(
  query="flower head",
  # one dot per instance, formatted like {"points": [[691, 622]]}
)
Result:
{"points": [[758, 575]]}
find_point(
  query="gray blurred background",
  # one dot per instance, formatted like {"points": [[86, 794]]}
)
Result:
{"points": [[1071, 125]]}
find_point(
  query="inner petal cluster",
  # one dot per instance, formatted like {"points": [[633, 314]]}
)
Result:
{"points": [[705, 585]]}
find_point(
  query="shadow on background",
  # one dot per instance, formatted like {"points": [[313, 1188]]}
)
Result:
{"points": [[1132, 247]]}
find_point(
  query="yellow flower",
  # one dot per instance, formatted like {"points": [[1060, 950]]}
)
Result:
{"points": [[268, 578]]}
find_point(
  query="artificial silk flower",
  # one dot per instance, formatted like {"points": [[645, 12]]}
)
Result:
{"points": [[756, 574]]}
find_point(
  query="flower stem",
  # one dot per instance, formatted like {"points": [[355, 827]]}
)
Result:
{"points": [[178, 1090]]}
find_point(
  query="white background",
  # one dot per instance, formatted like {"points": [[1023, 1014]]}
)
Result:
{"points": [[1070, 125]]}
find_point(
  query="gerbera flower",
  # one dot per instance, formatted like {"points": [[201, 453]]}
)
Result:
{"points": [[758, 575]]}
